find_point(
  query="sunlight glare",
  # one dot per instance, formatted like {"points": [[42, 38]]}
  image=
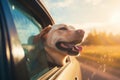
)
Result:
{"points": [[115, 18]]}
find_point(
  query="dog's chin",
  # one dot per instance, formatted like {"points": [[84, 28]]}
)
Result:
{"points": [[71, 48]]}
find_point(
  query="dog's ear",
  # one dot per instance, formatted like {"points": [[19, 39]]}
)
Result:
{"points": [[43, 34]]}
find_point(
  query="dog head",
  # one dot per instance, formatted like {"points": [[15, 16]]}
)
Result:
{"points": [[62, 38]]}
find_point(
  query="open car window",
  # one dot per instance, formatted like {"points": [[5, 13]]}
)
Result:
{"points": [[27, 27]]}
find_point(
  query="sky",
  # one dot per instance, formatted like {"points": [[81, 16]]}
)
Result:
{"points": [[102, 15]]}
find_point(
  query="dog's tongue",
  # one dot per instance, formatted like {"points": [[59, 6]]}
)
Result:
{"points": [[78, 47]]}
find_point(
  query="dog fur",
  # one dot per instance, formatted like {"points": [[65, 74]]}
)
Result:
{"points": [[57, 39]]}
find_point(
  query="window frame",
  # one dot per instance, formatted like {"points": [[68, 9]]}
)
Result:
{"points": [[38, 10], [10, 67]]}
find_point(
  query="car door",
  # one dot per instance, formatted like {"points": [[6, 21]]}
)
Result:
{"points": [[23, 20]]}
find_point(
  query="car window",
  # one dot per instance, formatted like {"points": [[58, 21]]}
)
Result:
{"points": [[25, 24], [27, 27]]}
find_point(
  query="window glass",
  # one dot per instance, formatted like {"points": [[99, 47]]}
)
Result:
{"points": [[25, 24], [27, 27]]}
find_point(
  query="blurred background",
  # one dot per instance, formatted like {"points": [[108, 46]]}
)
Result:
{"points": [[100, 19]]}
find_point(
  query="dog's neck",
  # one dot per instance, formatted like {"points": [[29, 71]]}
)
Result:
{"points": [[56, 57]]}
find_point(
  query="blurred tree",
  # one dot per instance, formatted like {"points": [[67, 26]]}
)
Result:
{"points": [[101, 38]]}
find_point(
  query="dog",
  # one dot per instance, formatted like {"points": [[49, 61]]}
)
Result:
{"points": [[60, 41]]}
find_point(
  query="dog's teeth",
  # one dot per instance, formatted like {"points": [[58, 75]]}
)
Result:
{"points": [[78, 48], [73, 49]]}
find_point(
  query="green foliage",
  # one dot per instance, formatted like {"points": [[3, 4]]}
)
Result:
{"points": [[101, 38]]}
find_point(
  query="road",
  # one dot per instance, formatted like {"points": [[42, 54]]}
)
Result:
{"points": [[90, 73]]}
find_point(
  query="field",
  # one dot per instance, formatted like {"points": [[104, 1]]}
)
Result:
{"points": [[103, 58]]}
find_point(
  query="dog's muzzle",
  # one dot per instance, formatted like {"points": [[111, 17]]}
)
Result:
{"points": [[73, 47]]}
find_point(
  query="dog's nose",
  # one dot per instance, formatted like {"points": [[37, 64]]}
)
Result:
{"points": [[80, 31]]}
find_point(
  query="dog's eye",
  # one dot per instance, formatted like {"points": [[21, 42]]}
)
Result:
{"points": [[63, 28]]}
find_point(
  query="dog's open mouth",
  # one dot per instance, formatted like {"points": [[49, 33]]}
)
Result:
{"points": [[71, 47]]}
